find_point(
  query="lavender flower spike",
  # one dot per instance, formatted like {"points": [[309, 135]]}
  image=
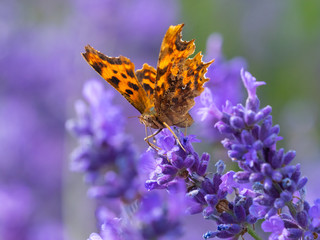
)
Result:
{"points": [[111, 165], [209, 108], [252, 142]]}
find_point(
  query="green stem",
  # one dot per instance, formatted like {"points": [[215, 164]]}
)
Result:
{"points": [[253, 233], [292, 209], [289, 204]]}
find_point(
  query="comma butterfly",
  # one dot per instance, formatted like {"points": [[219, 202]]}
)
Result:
{"points": [[163, 96]]}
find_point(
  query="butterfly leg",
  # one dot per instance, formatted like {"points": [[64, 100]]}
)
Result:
{"points": [[151, 136], [175, 136]]}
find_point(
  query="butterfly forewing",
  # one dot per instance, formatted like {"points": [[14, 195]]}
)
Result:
{"points": [[179, 79], [119, 72]]}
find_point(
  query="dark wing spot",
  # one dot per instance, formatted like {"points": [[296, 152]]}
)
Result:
{"points": [[175, 99], [133, 86], [123, 75], [190, 72], [199, 67], [196, 76], [181, 46], [148, 77], [161, 71], [148, 88], [172, 80], [115, 61], [115, 81], [188, 86], [129, 91], [102, 56], [196, 83], [98, 66], [130, 73], [115, 72]]}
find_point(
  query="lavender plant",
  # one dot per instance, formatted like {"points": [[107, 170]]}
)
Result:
{"points": [[275, 184], [129, 188], [115, 172], [224, 84]]}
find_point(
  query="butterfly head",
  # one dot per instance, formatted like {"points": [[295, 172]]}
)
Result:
{"points": [[150, 120]]}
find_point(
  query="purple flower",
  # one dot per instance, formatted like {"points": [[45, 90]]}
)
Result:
{"points": [[250, 83], [314, 213], [275, 225], [232, 218], [173, 163], [156, 215], [105, 154], [115, 172], [224, 85], [114, 227], [208, 109], [228, 182], [160, 214], [252, 142], [224, 77], [206, 194]]}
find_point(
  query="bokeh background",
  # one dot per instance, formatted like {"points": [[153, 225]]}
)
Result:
{"points": [[42, 74]]}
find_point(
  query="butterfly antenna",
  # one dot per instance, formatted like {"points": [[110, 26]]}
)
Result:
{"points": [[167, 126], [134, 117]]}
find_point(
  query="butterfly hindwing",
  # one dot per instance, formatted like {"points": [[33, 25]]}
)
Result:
{"points": [[119, 72], [147, 77]]}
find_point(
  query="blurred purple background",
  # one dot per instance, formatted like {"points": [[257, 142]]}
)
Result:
{"points": [[42, 74]]}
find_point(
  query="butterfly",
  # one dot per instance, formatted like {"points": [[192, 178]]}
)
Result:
{"points": [[164, 95]]}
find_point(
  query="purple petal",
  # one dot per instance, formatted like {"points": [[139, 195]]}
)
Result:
{"points": [[204, 161], [273, 224], [288, 157], [250, 83], [189, 161]]}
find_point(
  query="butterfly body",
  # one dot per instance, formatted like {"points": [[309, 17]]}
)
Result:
{"points": [[164, 95], [154, 120]]}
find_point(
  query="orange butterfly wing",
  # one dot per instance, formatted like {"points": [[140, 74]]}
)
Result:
{"points": [[119, 72], [164, 95], [179, 79], [147, 77]]}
